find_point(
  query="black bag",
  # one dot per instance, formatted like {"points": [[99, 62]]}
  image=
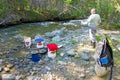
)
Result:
{"points": [[105, 58]]}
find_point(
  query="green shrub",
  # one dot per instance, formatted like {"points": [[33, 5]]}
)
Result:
{"points": [[73, 42]]}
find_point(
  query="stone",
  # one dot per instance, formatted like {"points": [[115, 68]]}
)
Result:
{"points": [[101, 71], [50, 35], [56, 39], [18, 77], [6, 69], [8, 77], [48, 68], [82, 75], [71, 52], [62, 63], [77, 56], [18, 36], [97, 78], [117, 77], [62, 54], [9, 65], [85, 57], [1, 68], [2, 40], [36, 68], [1, 60], [118, 46], [33, 78]]}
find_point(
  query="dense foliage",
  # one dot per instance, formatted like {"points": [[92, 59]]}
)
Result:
{"points": [[17, 11]]}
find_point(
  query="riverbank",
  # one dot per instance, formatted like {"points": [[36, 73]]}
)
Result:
{"points": [[75, 61]]}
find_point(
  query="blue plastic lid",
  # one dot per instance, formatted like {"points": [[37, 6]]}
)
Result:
{"points": [[39, 40]]}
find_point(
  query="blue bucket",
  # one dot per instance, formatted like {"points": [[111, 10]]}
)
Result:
{"points": [[35, 57]]}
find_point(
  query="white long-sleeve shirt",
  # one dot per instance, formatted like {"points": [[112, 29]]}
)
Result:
{"points": [[93, 20]]}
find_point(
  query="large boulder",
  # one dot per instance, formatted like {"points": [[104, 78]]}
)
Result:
{"points": [[101, 71]]}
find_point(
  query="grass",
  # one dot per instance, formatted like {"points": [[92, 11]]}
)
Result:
{"points": [[116, 57], [117, 61], [58, 52], [98, 37]]}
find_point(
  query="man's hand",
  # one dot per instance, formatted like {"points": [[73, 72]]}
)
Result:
{"points": [[83, 23]]}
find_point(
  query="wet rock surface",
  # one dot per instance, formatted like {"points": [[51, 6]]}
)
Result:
{"points": [[74, 61]]}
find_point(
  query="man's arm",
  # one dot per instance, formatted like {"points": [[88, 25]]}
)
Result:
{"points": [[87, 21], [84, 22]]}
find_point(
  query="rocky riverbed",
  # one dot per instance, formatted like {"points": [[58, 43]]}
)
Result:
{"points": [[74, 61]]}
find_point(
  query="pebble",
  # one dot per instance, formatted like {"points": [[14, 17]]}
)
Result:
{"points": [[6, 69], [1, 68], [8, 77], [82, 75], [71, 52]]}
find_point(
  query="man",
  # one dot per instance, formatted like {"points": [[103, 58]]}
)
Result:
{"points": [[93, 22]]}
